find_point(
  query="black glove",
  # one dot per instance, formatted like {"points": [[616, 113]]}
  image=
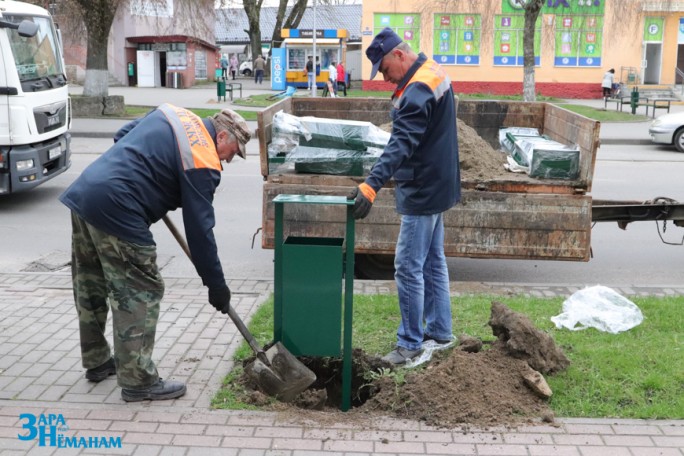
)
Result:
{"points": [[220, 299], [362, 204]]}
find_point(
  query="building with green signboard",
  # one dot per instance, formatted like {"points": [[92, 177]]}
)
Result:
{"points": [[480, 43]]}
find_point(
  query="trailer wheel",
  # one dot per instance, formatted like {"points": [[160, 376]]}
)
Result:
{"points": [[374, 266], [679, 140]]}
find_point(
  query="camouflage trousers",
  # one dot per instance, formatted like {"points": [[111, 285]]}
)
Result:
{"points": [[109, 272]]}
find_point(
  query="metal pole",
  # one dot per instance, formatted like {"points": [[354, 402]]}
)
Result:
{"points": [[313, 86]]}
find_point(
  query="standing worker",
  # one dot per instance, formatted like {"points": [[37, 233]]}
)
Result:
{"points": [[422, 156], [224, 66], [168, 159], [607, 83], [341, 78], [259, 66]]}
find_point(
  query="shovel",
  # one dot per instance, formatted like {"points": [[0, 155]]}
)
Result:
{"points": [[276, 371]]}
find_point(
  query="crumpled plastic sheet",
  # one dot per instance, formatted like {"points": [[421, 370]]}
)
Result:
{"points": [[598, 307], [429, 348]]}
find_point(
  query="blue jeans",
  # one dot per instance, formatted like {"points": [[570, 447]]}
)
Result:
{"points": [[422, 280], [312, 80]]}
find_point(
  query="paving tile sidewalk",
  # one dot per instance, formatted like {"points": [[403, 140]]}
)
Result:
{"points": [[40, 374]]}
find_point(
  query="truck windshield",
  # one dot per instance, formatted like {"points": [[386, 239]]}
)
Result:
{"points": [[37, 57]]}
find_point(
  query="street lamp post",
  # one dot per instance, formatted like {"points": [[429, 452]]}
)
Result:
{"points": [[313, 86]]}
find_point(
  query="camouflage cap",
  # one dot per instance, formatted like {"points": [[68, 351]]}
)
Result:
{"points": [[234, 123]]}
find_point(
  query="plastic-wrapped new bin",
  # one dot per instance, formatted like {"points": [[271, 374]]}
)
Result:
{"points": [[320, 160], [539, 155], [507, 143], [324, 146], [344, 134]]}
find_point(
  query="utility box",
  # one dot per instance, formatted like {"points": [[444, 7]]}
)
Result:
{"points": [[311, 317]]}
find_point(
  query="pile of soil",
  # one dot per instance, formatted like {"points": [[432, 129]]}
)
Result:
{"points": [[465, 385], [478, 160]]}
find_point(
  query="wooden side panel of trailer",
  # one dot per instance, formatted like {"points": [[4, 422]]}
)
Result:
{"points": [[482, 225]]}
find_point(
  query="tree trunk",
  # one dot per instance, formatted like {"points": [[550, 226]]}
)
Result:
{"points": [[532, 9], [97, 71], [98, 16], [292, 21], [253, 12]]}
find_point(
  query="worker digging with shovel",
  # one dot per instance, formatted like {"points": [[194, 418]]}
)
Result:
{"points": [[168, 159]]}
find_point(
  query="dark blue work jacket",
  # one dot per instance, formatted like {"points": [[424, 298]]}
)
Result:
{"points": [[157, 164], [422, 153]]}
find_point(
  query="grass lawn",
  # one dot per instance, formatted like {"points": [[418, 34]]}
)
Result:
{"points": [[133, 111], [265, 100], [634, 374]]}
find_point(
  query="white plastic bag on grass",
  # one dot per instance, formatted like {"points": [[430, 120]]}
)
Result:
{"points": [[429, 347], [598, 307]]}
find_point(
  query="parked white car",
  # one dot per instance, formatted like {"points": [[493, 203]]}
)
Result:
{"points": [[668, 129], [245, 68]]}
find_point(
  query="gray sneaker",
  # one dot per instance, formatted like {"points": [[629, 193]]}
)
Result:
{"points": [[401, 355]]}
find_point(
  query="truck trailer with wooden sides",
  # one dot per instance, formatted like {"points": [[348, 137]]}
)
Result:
{"points": [[511, 216]]}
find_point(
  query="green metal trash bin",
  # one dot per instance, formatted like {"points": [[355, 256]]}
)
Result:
{"points": [[221, 89], [310, 317]]}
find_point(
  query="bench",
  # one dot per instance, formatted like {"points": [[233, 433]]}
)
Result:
{"points": [[232, 86], [659, 103], [617, 101], [648, 103]]}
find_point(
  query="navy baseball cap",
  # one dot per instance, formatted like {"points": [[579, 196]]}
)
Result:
{"points": [[382, 44]]}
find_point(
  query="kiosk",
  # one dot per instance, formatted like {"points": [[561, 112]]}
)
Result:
{"points": [[331, 45]]}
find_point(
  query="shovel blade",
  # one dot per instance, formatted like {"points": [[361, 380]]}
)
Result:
{"points": [[285, 378]]}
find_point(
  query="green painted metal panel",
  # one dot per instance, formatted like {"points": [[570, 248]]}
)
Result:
{"points": [[311, 314]]}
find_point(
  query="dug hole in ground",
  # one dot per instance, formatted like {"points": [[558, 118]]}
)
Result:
{"points": [[483, 384]]}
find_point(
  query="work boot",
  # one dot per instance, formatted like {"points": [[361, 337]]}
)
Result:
{"points": [[401, 355], [162, 390], [102, 371]]}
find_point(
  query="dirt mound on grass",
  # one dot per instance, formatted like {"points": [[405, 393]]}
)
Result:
{"points": [[484, 389], [460, 386]]}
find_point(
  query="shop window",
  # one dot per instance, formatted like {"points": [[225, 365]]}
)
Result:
{"points": [[200, 64]]}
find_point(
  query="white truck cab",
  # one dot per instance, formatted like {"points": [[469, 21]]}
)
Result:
{"points": [[35, 111]]}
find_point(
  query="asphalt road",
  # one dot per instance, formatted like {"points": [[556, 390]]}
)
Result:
{"points": [[35, 227]]}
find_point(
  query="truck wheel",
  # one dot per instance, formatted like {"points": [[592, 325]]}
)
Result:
{"points": [[679, 140], [247, 73], [374, 266]]}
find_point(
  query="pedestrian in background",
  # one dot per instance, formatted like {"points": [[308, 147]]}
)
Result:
{"points": [[607, 83], [224, 65], [168, 159], [422, 157], [233, 65], [259, 66], [332, 77], [341, 78], [310, 72]]}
